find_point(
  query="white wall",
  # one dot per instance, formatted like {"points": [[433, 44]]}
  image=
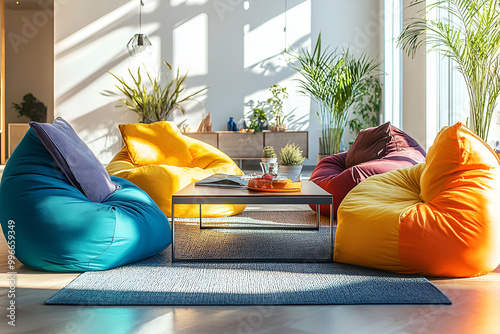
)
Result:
{"points": [[233, 51], [29, 60]]}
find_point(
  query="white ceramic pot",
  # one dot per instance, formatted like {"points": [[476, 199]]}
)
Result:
{"points": [[291, 172], [269, 160]]}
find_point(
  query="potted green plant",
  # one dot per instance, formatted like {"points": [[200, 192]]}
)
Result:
{"points": [[159, 101], [31, 107], [269, 162], [335, 80], [259, 120], [470, 36], [276, 107], [269, 155], [291, 160]]}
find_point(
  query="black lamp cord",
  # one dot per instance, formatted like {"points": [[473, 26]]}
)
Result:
{"points": [[284, 29], [140, 16]]}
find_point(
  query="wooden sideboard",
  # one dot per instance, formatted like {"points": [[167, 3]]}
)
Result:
{"points": [[242, 146]]}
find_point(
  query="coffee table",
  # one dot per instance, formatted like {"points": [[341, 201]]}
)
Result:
{"points": [[200, 195]]}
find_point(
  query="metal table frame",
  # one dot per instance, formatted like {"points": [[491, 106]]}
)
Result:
{"points": [[280, 198]]}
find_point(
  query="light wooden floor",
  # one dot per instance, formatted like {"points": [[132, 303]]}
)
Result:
{"points": [[475, 309]]}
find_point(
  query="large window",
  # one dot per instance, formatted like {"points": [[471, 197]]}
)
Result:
{"points": [[447, 98], [392, 62]]}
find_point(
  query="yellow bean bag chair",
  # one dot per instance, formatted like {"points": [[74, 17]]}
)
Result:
{"points": [[160, 160], [439, 218]]}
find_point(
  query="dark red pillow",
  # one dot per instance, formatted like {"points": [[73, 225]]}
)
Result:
{"points": [[374, 143]]}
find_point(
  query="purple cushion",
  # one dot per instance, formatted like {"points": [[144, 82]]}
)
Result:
{"points": [[335, 176], [75, 159], [377, 142]]}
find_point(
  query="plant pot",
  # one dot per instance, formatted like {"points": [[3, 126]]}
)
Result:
{"points": [[291, 172], [263, 124], [331, 147], [269, 160]]}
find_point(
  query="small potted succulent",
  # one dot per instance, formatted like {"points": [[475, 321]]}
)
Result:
{"points": [[269, 155], [269, 162], [291, 160]]}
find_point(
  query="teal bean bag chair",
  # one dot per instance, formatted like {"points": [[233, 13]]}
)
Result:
{"points": [[58, 228]]}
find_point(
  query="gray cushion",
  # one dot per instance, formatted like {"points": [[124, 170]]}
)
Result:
{"points": [[75, 159]]}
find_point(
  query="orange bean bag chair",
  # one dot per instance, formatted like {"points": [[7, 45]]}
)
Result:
{"points": [[439, 218], [161, 161]]}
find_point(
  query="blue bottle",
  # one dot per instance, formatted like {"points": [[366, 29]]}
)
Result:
{"points": [[231, 125]]}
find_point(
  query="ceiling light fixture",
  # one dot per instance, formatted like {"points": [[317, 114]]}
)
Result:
{"points": [[140, 44]]}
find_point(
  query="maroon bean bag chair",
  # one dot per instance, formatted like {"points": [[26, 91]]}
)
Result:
{"points": [[375, 151]]}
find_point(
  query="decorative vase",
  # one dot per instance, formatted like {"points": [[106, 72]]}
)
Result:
{"points": [[291, 172], [269, 168], [279, 126], [231, 125], [330, 147], [278, 120], [263, 124]]}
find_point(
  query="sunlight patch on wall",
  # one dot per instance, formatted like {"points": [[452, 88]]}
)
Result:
{"points": [[190, 46], [92, 30], [150, 6], [175, 3], [89, 58], [84, 57], [264, 44]]}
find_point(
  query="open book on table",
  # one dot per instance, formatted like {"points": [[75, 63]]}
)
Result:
{"points": [[223, 180]]}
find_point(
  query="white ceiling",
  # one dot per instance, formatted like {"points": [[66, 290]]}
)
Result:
{"points": [[23, 4]]}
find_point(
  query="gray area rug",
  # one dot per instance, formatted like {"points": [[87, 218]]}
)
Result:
{"points": [[244, 239], [158, 281]]}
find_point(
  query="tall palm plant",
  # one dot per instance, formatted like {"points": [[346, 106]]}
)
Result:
{"points": [[334, 80], [470, 36]]}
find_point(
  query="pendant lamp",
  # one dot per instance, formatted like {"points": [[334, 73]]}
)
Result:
{"points": [[140, 43]]}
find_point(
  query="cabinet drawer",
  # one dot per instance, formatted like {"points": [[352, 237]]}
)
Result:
{"points": [[206, 137], [242, 145], [278, 140]]}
